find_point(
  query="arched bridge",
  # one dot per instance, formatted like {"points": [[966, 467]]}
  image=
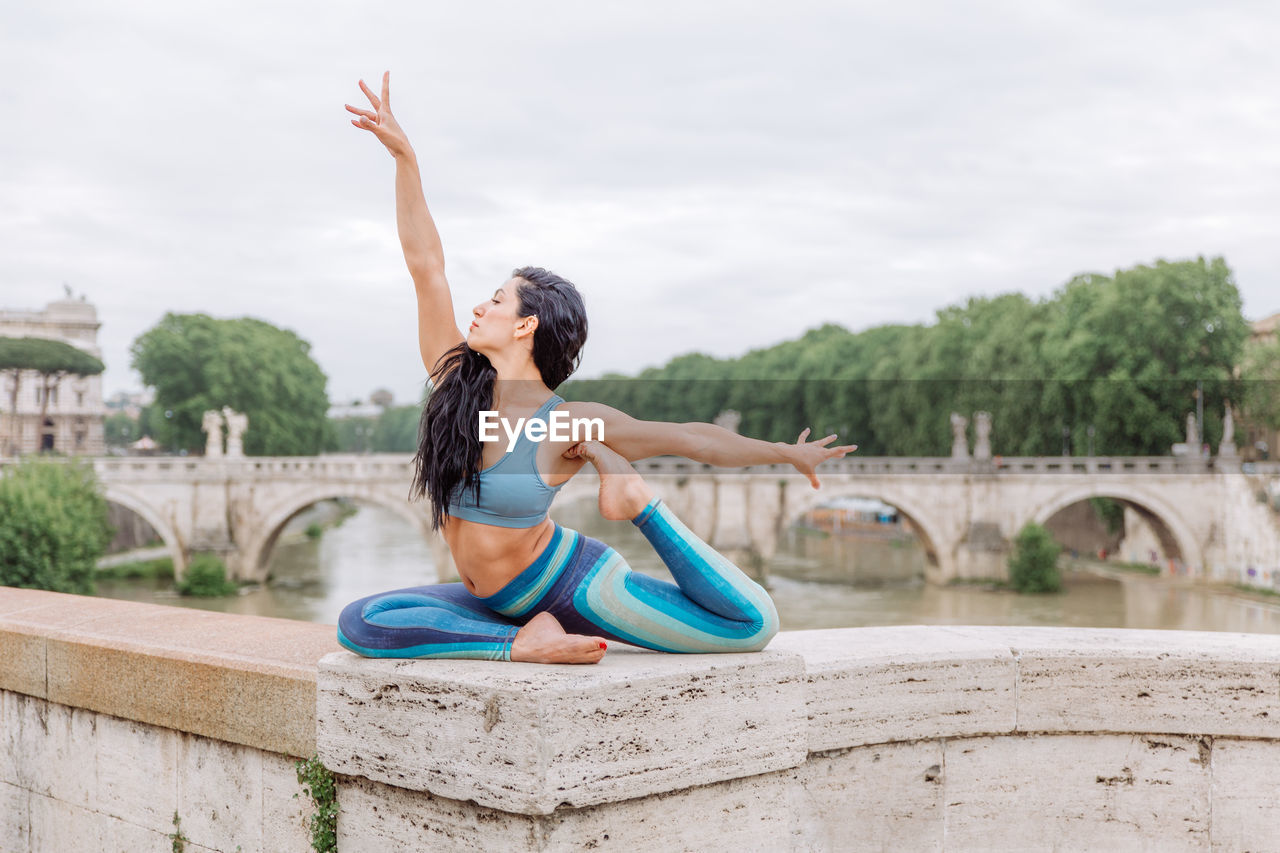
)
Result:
{"points": [[1209, 516]]}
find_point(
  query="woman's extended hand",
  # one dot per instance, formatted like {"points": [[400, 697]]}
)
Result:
{"points": [[806, 456], [380, 122]]}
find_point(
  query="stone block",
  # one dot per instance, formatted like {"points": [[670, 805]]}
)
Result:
{"points": [[22, 664], [875, 685], [1073, 792], [731, 816], [527, 738], [872, 798], [220, 793], [284, 815], [59, 826], [137, 772], [1246, 795], [120, 836], [256, 703], [1116, 680], [15, 818], [49, 749]]}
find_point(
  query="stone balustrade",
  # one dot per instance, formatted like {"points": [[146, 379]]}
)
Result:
{"points": [[117, 714]]}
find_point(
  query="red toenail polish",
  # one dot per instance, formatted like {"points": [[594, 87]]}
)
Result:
{"points": [[604, 646]]}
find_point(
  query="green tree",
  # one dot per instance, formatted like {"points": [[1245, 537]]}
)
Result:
{"points": [[1260, 391], [53, 360], [120, 430], [53, 525], [196, 363], [1034, 564]]}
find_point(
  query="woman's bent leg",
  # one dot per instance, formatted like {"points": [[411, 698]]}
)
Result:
{"points": [[437, 621], [712, 607]]}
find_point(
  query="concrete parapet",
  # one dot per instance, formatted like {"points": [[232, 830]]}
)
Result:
{"points": [[932, 738], [243, 679]]}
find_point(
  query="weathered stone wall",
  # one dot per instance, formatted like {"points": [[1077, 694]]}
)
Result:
{"points": [[76, 780], [116, 714]]}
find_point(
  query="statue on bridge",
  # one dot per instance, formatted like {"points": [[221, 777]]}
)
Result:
{"points": [[982, 431], [237, 423], [1227, 447], [959, 441], [1193, 435], [212, 426], [729, 419]]}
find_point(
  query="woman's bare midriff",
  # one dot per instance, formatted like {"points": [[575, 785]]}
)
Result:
{"points": [[488, 557]]}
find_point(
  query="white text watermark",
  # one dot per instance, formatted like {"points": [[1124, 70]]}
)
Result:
{"points": [[537, 429]]}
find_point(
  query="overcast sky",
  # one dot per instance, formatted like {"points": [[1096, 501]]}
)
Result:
{"points": [[713, 176]]}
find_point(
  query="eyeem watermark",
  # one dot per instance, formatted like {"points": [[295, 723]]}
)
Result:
{"points": [[536, 429]]}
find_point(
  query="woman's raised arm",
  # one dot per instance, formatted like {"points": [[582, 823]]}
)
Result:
{"points": [[419, 240]]}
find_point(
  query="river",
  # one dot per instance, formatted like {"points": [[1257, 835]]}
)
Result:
{"points": [[817, 581]]}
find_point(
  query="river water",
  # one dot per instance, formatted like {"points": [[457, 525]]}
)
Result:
{"points": [[816, 580]]}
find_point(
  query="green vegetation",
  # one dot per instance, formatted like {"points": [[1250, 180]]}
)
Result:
{"points": [[196, 363], [1256, 590], [394, 431], [53, 525], [1034, 565], [179, 840], [206, 577], [1110, 512], [1139, 568], [314, 530], [985, 583], [159, 568], [1121, 353], [319, 784]]}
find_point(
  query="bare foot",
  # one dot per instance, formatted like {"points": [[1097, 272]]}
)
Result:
{"points": [[623, 492], [542, 640]]}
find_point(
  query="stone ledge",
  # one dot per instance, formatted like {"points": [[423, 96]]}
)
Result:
{"points": [[244, 679], [876, 685], [528, 738]]}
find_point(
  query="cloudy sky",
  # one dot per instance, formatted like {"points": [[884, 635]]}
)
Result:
{"points": [[713, 176]]}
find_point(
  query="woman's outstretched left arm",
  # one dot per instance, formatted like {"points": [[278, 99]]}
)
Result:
{"points": [[707, 443]]}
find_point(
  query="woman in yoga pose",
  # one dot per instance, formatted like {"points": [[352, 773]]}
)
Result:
{"points": [[531, 589]]}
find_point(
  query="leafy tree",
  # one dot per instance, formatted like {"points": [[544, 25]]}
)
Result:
{"points": [[53, 525], [1033, 566], [120, 430], [1120, 353], [1260, 372], [196, 363], [53, 360]]}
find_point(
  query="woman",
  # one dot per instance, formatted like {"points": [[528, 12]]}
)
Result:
{"points": [[526, 579]]}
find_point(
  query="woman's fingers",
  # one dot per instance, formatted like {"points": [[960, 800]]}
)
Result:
{"points": [[360, 112], [373, 99], [386, 89], [805, 432]]}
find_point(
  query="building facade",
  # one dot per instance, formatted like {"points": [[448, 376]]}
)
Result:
{"points": [[73, 421]]}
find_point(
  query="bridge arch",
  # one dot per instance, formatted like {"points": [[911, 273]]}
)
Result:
{"points": [[166, 531], [267, 531], [938, 554], [1188, 549]]}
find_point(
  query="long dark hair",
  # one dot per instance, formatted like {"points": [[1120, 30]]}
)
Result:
{"points": [[448, 434]]}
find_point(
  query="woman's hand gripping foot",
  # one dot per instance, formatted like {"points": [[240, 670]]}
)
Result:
{"points": [[542, 640], [623, 492]]}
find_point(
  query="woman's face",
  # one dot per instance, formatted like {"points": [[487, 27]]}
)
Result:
{"points": [[496, 320]]}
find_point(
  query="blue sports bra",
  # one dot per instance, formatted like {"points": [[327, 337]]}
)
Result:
{"points": [[512, 492]]}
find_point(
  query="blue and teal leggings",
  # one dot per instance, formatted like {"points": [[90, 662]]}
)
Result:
{"points": [[589, 588]]}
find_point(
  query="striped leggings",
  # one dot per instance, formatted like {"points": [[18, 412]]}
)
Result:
{"points": [[589, 588]]}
